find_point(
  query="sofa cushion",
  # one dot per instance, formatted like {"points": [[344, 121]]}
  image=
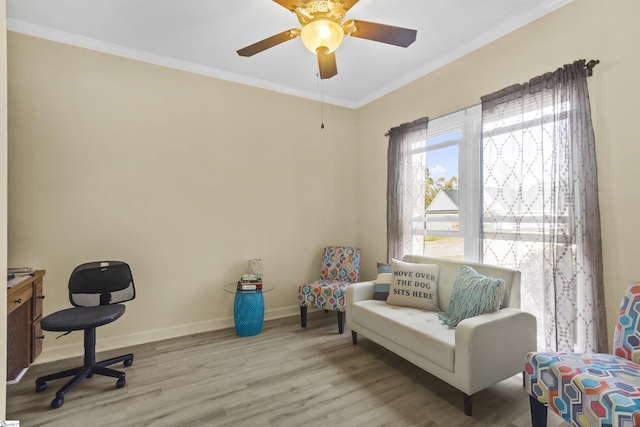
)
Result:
{"points": [[383, 281], [417, 330], [414, 285], [473, 294]]}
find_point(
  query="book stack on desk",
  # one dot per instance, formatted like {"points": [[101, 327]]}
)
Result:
{"points": [[18, 275], [250, 282]]}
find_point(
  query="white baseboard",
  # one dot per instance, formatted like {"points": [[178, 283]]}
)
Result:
{"points": [[73, 350], [17, 378]]}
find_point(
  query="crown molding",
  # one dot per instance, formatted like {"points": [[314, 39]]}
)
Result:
{"points": [[457, 52], [29, 29], [452, 54]]}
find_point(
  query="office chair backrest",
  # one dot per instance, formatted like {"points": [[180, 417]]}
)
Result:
{"points": [[101, 283]]}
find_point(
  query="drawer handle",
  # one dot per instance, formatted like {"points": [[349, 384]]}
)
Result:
{"points": [[41, 296], [19, 300]]}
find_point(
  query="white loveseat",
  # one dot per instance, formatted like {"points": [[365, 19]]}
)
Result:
{"points": [[479, 352]]}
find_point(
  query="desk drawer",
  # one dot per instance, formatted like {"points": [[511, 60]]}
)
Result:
{"points": [[18, 298], [36, 340], [37, 300]]}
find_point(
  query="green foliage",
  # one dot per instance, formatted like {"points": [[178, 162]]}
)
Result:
{"points": [[433, 187]]}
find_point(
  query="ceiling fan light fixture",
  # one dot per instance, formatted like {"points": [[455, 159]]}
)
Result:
{"points": [[322, 33]]}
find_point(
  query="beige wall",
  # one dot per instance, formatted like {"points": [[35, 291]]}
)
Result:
{"points": [[185, 177], [604, 30], [3, 199]]}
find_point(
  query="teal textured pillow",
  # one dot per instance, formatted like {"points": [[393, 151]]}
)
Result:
{"points": [[383, 281], [473, 294]]}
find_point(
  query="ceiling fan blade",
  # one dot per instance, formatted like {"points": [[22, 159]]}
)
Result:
{"points": [[327, 63], [269, 42], [348, 4], [389, 34], [290, 4]]}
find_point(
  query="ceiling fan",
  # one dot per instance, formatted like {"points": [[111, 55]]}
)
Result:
{"points": [[323, 28]]}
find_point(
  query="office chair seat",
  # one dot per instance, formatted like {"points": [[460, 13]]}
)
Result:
{"points": [[96, 290], [80, 318]]}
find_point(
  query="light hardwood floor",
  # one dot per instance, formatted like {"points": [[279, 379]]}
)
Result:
{"points": [[285, 376]]}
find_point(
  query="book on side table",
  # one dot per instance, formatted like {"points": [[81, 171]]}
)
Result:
{"points": [[250, 282]]}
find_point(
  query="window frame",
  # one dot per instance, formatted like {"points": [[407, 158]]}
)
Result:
{"points": [[467, 121]]}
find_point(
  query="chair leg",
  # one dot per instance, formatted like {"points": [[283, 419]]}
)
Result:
{"points": [[341, 322], [468, 404], [354, 337], [56, 376], [538, 413], [108, 372], [127, 359], [89, 368], [303, 315], [83, 373]]}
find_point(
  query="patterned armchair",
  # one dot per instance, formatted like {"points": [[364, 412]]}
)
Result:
{"points": [[340, 268], [591, 389]]}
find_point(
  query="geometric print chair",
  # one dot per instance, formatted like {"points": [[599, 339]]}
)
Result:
{"points": [[340, 268], [591, 389]]}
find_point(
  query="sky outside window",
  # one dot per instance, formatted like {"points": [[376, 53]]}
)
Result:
{"points": [[443, 162]]}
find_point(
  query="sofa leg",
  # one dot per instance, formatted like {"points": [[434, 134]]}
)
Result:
{"points": [[468, 404], [538, 413], [354, 337], [303, 315], [341, 322]]}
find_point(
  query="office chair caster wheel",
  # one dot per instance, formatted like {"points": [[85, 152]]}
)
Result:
{"points": [[121, 383], [40, 387], [57, 402], [128, 362]]}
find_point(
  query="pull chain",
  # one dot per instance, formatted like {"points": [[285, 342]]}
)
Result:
{"points": [[322, 91], [322, 102]]}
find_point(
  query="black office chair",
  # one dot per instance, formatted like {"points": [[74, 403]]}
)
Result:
{"points": [[96, 290]]}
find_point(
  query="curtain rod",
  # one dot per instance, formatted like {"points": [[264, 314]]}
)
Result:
{"points": [[590, 65]]}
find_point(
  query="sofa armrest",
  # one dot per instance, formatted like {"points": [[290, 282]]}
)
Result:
{"points": [[360, 291], [492, 347]]}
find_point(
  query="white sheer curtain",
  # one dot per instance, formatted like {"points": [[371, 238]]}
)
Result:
{"points": [[406, 184], [540, 205]]}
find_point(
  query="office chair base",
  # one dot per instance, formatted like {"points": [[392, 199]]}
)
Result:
{"points": [[83, 372]]}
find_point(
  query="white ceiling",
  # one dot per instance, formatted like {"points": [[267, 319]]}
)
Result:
{"points": [[203, 36]]}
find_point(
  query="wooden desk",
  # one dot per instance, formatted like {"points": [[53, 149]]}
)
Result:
{"points": [[24, 334]]}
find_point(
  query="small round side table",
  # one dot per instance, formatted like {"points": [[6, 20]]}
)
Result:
{"points": [[248, 309]]}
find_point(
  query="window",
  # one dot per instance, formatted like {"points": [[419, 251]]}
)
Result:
{"points": [[447, 224], [540, 205], [525, 196]]}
